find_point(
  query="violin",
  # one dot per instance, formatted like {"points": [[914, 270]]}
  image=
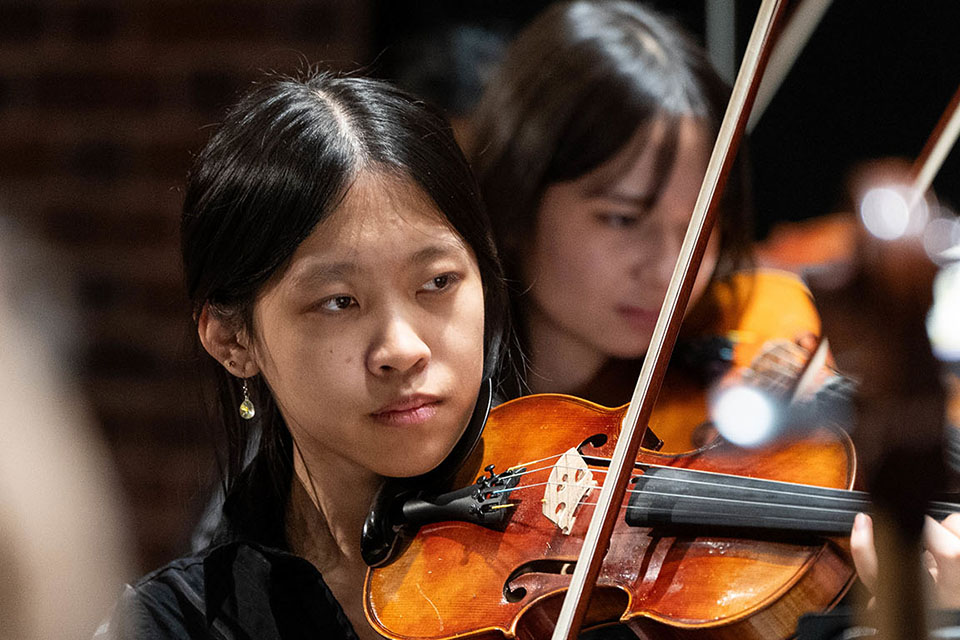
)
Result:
{"points": [[482, 576]]}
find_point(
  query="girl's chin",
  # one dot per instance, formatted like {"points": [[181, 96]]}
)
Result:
{"points": [[426, 450], [408, 471], [634, 350], [410, 467]]}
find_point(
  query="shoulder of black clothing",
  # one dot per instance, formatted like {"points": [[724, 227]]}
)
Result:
{"points": [[234, 590], [246, 584]]}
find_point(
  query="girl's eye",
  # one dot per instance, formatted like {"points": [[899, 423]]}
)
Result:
{"points": [[337, 303], [617, 220], [438, 283]]}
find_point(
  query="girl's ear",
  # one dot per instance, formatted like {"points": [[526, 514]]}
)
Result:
{"points": [[227, 343]]}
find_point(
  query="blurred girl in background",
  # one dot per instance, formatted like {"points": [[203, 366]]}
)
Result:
{"points": [[590, 148]]}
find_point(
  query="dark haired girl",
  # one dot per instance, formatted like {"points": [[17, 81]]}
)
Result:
{"points": [[345, 282], [590, 147]]}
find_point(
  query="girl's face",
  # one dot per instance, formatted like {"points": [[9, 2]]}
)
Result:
{"points": [[604, 249], [372, 339]]}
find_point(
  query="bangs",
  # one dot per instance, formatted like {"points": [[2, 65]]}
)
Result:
{"points": [[616, 164], [620, 105]]}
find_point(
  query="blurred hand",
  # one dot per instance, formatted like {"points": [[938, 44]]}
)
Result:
{"points": [[941, 558]]}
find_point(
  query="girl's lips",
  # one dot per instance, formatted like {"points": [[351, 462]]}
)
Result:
{"points": [[407, 417], [409, 410], [638, 317]]}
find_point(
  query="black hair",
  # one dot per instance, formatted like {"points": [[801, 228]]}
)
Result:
{"points": [[278, 165], [574, 88]]}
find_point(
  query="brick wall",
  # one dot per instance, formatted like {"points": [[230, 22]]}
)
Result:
{"points": [[101, 104]]}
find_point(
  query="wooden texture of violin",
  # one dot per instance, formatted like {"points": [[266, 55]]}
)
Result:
{"points": [[751, 308], [458, 579]]}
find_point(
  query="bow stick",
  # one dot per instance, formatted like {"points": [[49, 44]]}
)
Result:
{"points": [[664, 337], [936, 149]]}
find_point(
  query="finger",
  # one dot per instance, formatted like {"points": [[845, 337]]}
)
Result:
{"points": [[952, 523], [863, 550], [932, 575], [941, 541], [944, 544], [807, 341]]}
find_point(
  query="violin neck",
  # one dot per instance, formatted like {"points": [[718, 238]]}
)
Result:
{"points": [[665, 497]]}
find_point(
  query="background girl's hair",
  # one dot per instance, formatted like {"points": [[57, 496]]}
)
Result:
{"points": [[574, 88], [280, 163]]}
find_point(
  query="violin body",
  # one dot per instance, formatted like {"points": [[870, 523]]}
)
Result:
{"points": [[751, 309], [458, 579]]}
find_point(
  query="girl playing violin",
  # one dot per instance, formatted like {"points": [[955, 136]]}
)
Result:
{"points": [[344, 280], [590, 147]]}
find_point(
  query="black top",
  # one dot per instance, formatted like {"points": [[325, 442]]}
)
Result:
{"points": [[245, 585]]}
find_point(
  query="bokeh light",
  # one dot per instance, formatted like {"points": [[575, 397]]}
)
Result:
{"points": [[744, 416], [887, 215], [943, 320]]}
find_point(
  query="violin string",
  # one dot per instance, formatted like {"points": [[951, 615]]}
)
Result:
{"points": [[859, 498], [665, 494], [674, 512], [704, 472], [779, 489], [529, 471], [838, 494], [518, 473], [742, 502], [693, 512], [681, 470]]}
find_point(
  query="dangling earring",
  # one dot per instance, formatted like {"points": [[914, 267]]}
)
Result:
{"points": [[247, 410]]}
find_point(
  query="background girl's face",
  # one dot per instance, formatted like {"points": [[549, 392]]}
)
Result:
{"points": [[372, 339], [605, 244]]}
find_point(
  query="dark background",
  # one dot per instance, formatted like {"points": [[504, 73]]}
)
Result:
{"points": [[103, 101]]}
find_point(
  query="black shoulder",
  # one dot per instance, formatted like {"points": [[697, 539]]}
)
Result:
{"points": [[166, 604], [231, 591]]}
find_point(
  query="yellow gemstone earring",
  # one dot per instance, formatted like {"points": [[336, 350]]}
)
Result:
{"points": [[247, 410]]}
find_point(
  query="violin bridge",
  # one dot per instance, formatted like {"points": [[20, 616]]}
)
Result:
{"points": [[570, 480]]}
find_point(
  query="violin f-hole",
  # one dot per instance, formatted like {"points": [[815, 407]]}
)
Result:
{"points": [[650, 441], [596, 441], [551, 567]]}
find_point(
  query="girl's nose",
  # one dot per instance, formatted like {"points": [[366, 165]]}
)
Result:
{"points": [[654, 260], [399, 349]]}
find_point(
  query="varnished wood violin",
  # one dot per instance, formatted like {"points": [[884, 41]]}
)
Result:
{"points": [[481, 575]]}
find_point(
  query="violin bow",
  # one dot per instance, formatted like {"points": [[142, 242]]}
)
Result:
{"points": [[596, 541], [935, 151], [800, 25]]}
